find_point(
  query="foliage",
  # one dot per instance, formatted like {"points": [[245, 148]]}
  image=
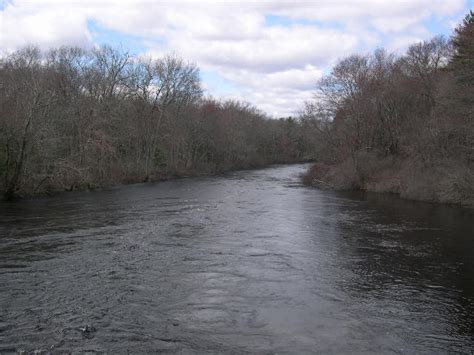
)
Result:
{"points": [[72, 118]]}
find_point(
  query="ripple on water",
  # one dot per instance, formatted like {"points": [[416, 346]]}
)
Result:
{"points": [[247, 262]]}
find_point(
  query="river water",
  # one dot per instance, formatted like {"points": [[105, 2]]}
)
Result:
{"points": [[246, 262]]}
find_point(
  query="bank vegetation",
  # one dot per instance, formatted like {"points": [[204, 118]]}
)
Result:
{"points": [[401, 124]]}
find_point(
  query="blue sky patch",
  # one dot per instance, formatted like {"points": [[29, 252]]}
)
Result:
{"points": [[103, 35]]}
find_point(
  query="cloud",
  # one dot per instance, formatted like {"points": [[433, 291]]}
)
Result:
{"points": [[274, 64], [276, 48], [280, 94], [21, 26]]}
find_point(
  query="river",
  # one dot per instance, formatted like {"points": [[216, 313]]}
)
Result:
{"points": [[251, 261]]}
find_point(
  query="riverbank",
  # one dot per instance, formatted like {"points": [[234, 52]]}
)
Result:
{"points": [[52, 187], [445, 182]]}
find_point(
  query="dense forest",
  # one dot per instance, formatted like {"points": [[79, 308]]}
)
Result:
{"points": [[401, 124], [73, 119]]}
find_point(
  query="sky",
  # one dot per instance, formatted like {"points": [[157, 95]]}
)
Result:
{"points": [[268, 53]]}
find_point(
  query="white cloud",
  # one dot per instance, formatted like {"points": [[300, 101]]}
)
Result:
{"points": [[292, 79], [343, 10], [396, 24], [280, 94], [276, 48], [22, 26]]}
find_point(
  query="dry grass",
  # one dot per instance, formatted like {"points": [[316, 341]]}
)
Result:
{"points": [[447, 182]]}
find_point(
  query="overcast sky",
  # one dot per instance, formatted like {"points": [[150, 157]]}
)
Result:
{"points": [[269, 53]]}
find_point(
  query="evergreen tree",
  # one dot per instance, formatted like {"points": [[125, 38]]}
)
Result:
{"points": [[463, 59]]}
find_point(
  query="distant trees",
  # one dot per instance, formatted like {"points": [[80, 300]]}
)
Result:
{"points": [[400, 123], [73, 118]]}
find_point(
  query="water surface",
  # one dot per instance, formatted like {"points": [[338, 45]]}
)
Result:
{"points": [[247, 262]]}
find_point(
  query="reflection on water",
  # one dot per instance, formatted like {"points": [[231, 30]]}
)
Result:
{"points": [[247, 262]]}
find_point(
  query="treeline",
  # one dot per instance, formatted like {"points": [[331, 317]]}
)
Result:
{"points": [[402, 124], [72, 118]]}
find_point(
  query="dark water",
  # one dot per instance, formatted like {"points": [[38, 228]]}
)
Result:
{"points": [[248, 262]]}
